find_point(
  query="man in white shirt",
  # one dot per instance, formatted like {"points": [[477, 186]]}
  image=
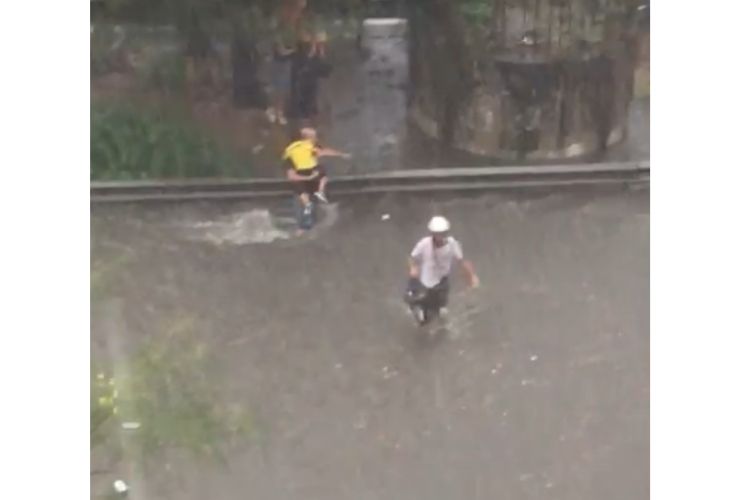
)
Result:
{"points": [[430, 264]]}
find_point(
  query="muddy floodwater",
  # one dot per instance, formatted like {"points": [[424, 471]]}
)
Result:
{"points": [[539, 389]]}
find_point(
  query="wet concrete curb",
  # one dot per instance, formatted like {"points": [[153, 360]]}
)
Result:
{"points": [[399, 181]]}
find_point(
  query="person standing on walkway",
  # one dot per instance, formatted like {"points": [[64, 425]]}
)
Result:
{"points": [[309, 65], [286, 28]]}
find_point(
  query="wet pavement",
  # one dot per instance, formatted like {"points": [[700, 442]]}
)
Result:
{"points": [[356, 118], [538, 389], [364, 111], [636, 146]]}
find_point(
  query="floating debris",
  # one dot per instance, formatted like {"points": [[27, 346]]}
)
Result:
{"points": [[120, 486]]}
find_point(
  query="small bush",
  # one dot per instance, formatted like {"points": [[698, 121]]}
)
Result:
{"points": [[168, 390], [105, 53], [126, 144]]}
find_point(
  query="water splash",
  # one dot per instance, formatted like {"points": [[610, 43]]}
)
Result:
{"points": [[243, 228]]}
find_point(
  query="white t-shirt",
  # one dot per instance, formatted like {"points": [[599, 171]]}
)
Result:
{"points": [[435, 263]]}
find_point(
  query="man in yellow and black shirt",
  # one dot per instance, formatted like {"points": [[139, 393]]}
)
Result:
{"points": [[304, 171]]}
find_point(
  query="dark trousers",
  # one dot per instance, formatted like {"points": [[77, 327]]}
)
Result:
{"points": [[429, 298]]}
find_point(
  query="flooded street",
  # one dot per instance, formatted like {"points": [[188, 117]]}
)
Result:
{"points": [[539, 388]]}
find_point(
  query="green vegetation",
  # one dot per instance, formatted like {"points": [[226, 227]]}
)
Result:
{"points": [[164, 395], [161, 399], [477, 12], [129, 144], [102, 406]]}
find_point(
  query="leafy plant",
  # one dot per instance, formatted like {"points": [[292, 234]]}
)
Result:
{"points": [[129, 144], [103, 406], [162, 400], [476, 12]]}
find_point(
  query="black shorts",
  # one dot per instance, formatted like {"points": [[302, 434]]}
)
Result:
{"points": [[309, 186], [434, 297]]}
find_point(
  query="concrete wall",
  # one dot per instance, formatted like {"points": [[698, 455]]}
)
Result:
{"points": [[563, 95]]}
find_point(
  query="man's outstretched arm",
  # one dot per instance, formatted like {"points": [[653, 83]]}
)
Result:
{"points": [[332, 152], [473, 279]]}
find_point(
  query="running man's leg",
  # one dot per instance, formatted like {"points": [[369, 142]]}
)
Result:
{"points": [[301, 189], [443, 292], [322, 182]]}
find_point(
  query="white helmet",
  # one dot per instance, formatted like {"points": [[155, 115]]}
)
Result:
{"points": [[438, 224]]}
